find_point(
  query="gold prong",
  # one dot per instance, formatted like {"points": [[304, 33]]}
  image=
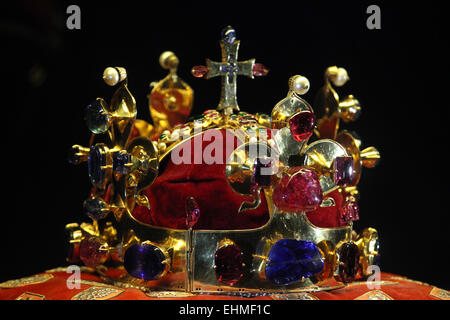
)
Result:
{"points": [[370, 157], [261, 257]]}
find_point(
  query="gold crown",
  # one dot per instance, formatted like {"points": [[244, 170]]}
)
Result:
{"points": [[275, 160]]}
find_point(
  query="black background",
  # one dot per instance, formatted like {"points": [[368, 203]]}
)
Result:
{"points": [[397, 73]]}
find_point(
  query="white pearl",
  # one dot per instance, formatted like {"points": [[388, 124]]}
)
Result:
{"points": [[175, 135], [341, 77], [300, 85], [111, 76], [253, 139]]}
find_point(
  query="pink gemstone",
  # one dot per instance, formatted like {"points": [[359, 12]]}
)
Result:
{"points": [[93, 251], [350, 210], [192, 212], [298, 190], [260, 70], [343, 171], [199, 71], [302, 125], [229, 264]]}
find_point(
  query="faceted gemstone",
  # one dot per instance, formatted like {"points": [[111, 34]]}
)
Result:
{"points": [[302, 125], [230, 68], [260, 70], [120, 160], [192, 212], [97, 118], [93, 251], [349, 211], [144, 261], [199, 71], [291, 260], [229, 264], [298, 190], [348, 257], [262, 172], [95, 208], [97, 159], [343, 171], [228, 35]]}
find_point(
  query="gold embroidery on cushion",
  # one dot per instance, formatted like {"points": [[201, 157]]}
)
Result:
{"points": [[97, 293], [30, 296], [374, 295], [440, 293], [39, 278]]}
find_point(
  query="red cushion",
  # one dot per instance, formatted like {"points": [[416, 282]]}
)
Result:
{"points": [[53, 286]]}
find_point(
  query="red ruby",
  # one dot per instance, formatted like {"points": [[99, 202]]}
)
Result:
{"points": [[199, 71], [229, 264], [298, 190], [350, 210], [348, 258], [192, 212], [93, 251], [260, 70], [343, 170], [302, 125]]}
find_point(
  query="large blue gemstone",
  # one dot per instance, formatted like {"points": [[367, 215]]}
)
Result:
{"points": [[96, 160], [144, 261], [95, 208], [291, 260], [97, 118]]}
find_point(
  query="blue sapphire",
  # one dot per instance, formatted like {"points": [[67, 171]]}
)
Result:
{"points": [[229, 68], [97, 118], [291, 260], [229, 35], [95, 208], [144, 261], [120, 161], [96, 160]]}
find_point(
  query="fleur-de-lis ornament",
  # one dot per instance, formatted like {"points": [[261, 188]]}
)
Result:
{"points": [[330, 109], [119, 167]]}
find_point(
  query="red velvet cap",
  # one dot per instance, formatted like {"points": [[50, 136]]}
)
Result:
{"points": [[218, 203]]}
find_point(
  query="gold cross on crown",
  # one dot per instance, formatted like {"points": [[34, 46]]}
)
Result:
{"points": [[229, 69]]}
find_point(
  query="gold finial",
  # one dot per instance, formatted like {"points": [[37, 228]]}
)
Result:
{"points": [[171, 99], [329, 108], [168, 60]]}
